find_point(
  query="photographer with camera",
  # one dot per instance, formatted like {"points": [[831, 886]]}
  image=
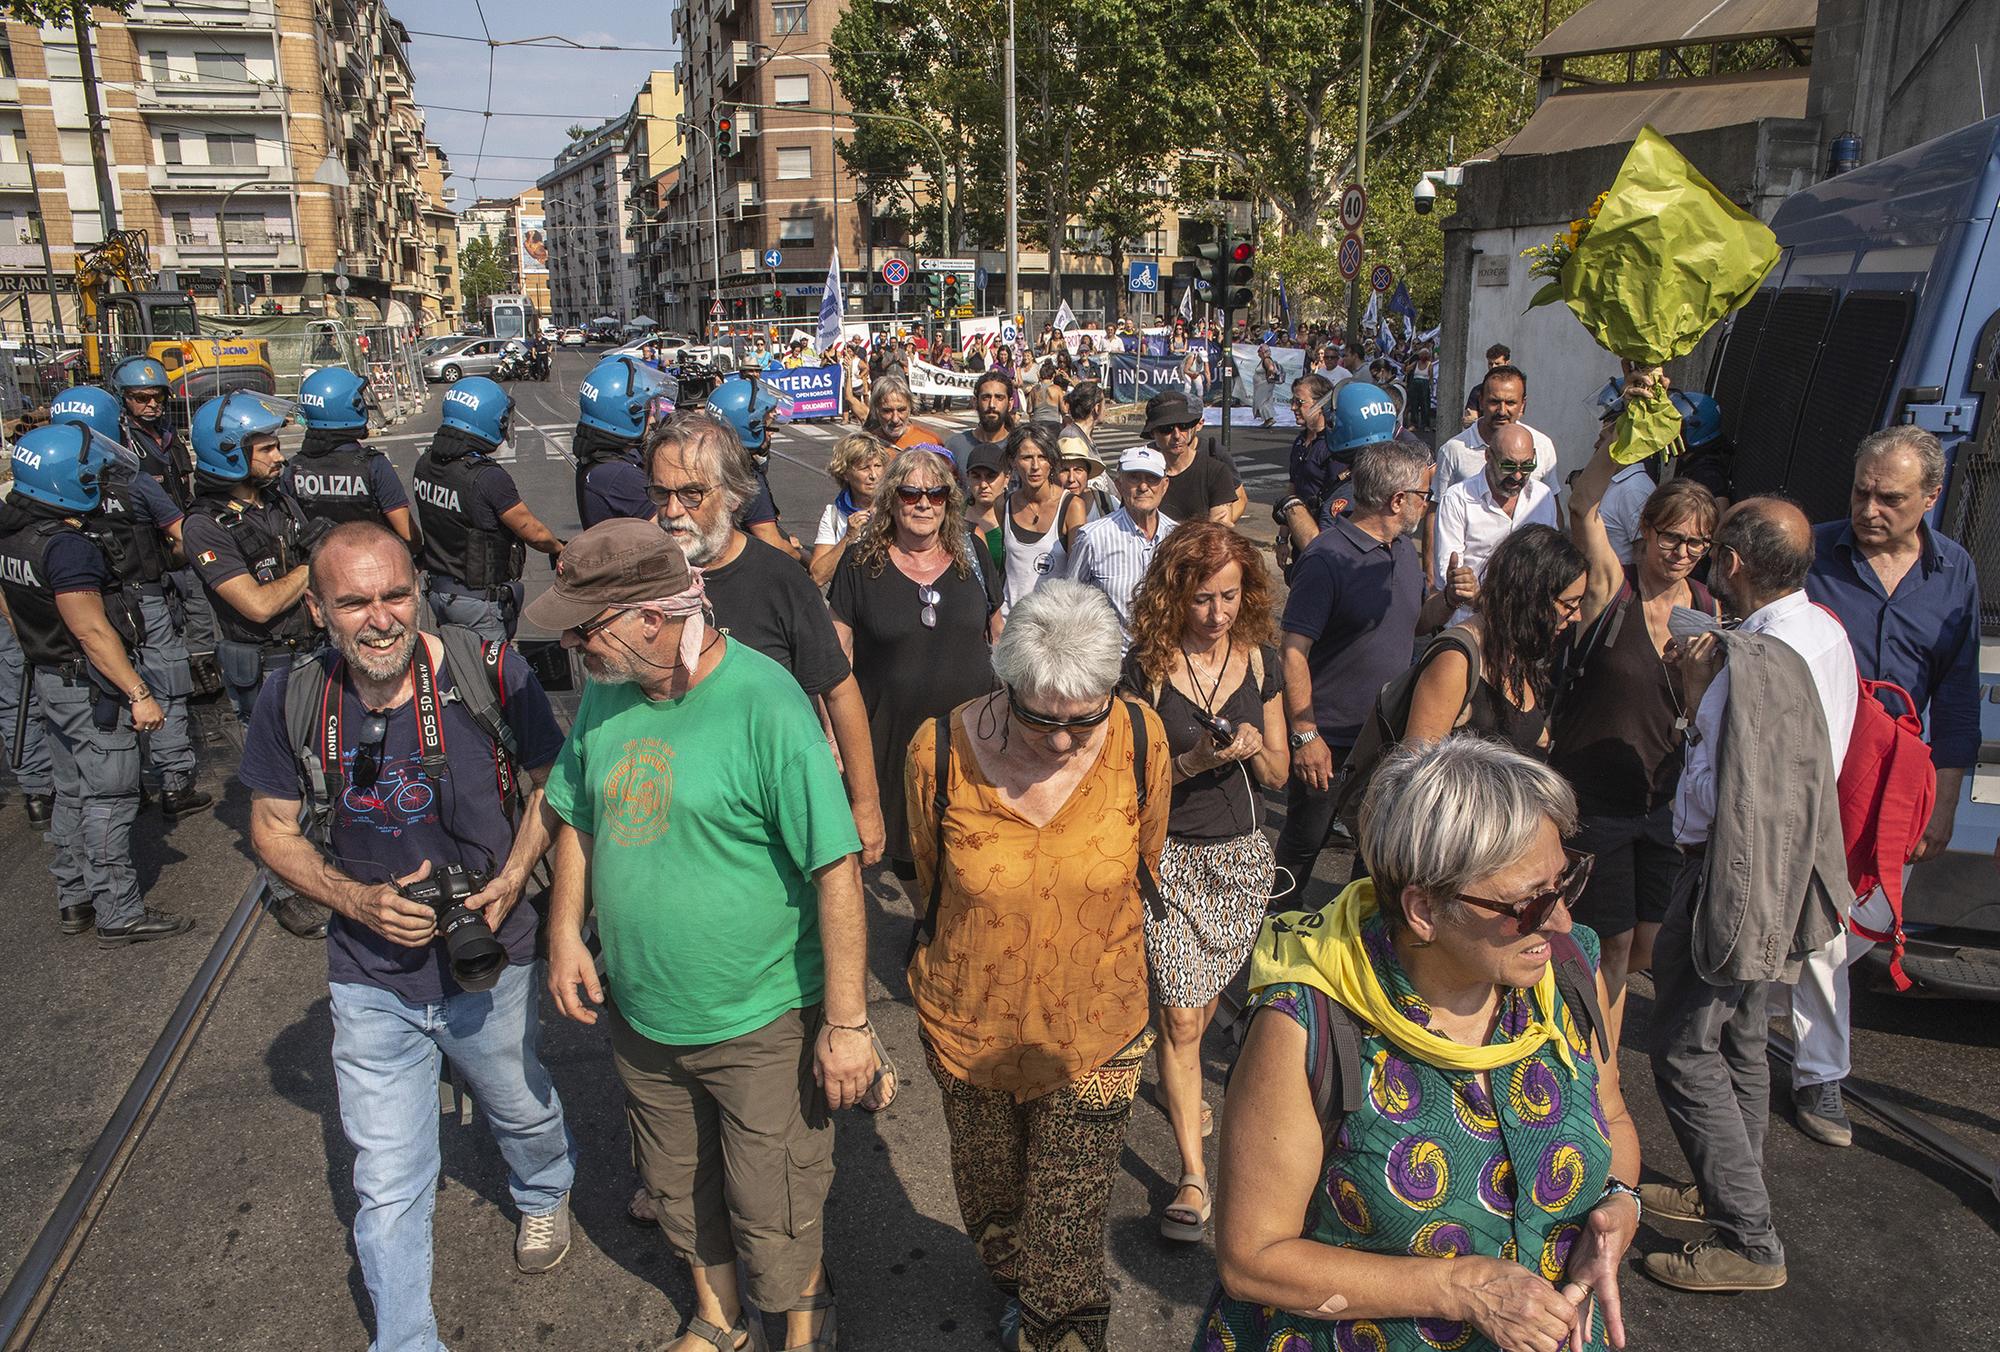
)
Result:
{"points": [[411, 843]]}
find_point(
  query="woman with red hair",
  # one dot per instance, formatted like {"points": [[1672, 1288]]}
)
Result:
{"points": [[1202, 655]]}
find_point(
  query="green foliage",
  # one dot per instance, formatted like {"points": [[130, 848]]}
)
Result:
{"points": [[481, 273], [56, 13]]}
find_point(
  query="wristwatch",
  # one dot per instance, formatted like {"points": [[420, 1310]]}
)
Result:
{"points": [[1299, 739]]}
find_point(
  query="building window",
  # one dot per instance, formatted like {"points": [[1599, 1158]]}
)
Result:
{"points": [[183, 228], [798, 230], [788, 18], [222, 67], [6, 63], [31, 229], [232, 148], [156, 67], [245, 227], [15, 148], [791, 89], [170, 147], [795, 162]]}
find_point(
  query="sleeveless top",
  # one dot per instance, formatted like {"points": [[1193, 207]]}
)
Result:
{"points": [[1432, 1165], [1030, 557]]}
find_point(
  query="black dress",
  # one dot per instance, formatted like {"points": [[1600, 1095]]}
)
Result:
{"points": [[908, 673]]}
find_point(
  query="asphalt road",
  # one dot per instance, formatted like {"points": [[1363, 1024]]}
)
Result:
{"points": [[230, 1228]]}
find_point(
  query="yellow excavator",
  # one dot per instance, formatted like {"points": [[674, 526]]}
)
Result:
{"points": [[123, 316]]}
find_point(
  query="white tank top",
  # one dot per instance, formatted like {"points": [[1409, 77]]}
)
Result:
{"points": [[1030, 558]]}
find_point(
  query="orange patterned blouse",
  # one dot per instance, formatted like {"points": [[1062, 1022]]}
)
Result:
{"points": [[1037, 972]]}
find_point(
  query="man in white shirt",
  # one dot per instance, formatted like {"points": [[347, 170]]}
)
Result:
{"points": [[1503, 397], [1709, 1059], [1113, 553], [1474, 516]]}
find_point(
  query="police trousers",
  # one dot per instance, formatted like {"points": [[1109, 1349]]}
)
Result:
{"points": [[94, 756], [162, 660]]}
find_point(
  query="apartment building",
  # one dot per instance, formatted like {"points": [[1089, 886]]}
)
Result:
{"points": [[653, 151], [592, 261], [278, 136]]}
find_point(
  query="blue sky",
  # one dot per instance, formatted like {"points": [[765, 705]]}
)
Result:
{"points": [[574, 86]]}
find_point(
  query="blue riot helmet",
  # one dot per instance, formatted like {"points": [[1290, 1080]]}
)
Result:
{"points": [[334, 399], [223, 426], [479, 408], [1701, 418], [1363, 415], [138, 373], [94, 407], [64, 465], [747, 406], [614, 397]]}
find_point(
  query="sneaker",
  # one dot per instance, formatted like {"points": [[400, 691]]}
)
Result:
{"points": [[542, 1241], [1672, 1201], [1707, 1265], [1821, 1115], [298, 916]]}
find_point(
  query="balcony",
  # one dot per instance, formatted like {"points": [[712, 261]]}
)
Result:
{"points": [[210, 178], [188, 15], [15, 178], [10, 90], [189, 95], [245, 247], [739, 197], [741, 62], [395, 80]]}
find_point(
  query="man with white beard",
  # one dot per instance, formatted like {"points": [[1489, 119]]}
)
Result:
{"points": [[701, 477], [410, 796]]}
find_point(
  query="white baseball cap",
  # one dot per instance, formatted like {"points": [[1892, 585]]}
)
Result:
{"points": [[1143, 460]]}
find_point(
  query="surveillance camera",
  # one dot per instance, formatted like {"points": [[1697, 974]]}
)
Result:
{"points": [[1424, 197]]}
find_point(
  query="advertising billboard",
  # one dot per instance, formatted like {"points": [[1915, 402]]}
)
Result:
{"points": [[534, 245]]}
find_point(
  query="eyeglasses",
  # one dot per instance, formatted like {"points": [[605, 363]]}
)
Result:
{"points": [[1044, 723], [1569, 606], [1506, 467], [368, 751], [912, 494], [1532, 913], [1673, 542], [691, 495], [590, 629], [1429, 495]]}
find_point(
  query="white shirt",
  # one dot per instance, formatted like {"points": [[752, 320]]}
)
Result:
{"points": [[1814, 635], [1623, 501], [1336, 375], [1471, 524], [1464, 457], [1111, 555], [832, 525]]}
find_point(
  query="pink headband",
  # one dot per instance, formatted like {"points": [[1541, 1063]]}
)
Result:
{"points": [[690, 605]]}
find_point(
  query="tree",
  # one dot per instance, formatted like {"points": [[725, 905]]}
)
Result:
{"points": [[1126, 204], [480, 272], [56, 13]]}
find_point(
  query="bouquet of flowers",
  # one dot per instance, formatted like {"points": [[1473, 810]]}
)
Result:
{"points": [[1660, 257]]}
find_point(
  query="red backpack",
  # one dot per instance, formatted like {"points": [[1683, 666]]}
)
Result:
{"points": [[1888, 787]]}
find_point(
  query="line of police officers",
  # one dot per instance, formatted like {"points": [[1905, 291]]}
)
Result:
{"points": [[125, 560]]}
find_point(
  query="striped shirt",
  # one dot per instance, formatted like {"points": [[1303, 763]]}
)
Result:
{"points": [[1111, 555]]}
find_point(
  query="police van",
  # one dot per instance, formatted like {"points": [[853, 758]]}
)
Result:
{"points": [[1885, 308]]}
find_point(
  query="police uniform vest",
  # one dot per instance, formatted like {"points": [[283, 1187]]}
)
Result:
{"points": [[164, 455], [334, 484], [135, 549], [38, 624], [267, 536], [453, 547]]}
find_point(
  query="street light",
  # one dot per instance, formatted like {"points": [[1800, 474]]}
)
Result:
{"points": [[331, 173]]}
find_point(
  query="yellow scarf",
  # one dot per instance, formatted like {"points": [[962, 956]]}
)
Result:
{"points": [[1323, 949]]}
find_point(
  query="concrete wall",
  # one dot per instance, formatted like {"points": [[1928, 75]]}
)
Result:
{"points": [[1899, 72], [1510, 203]]}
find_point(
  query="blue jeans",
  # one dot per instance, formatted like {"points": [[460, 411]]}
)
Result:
{"points": [[386, 1060]]}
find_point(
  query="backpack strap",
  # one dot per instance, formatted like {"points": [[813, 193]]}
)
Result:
{"points": [[1149, 886], [308, 688], [484, 695], [1333, 1064], [926, 927], [1577, 984]]}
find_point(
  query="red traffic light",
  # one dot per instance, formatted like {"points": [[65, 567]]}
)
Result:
{"points": [[725, 124], [1243, 251]]}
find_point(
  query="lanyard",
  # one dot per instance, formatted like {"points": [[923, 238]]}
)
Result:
{"points": [[429, 709]]}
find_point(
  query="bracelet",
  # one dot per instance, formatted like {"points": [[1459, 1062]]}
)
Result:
{"points": [[861, 1027], [138, 692], [1615, 1188]]}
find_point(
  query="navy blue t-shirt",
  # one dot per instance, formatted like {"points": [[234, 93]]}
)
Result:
{"points": [[1357, 600], [150, 504], [613, 488], [494, 495], [75, 564], [386, 832]]}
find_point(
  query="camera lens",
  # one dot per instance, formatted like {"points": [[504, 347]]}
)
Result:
{"points": [[477, 959]]}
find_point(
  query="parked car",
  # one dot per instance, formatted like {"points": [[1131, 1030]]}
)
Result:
{"points": [[466, 357], [572, 337]]}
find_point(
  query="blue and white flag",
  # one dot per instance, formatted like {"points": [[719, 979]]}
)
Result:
{"points": [[1065, 319], [1285, 310], [1187, 302], [1401, 304], [829, 306], [1371, 318]]}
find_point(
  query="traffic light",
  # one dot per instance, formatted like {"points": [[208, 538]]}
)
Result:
{"points": [[1232, 289], [951, 291], [725, 135]]}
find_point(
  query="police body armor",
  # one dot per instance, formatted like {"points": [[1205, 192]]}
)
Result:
{"points": [[334, 484], [136, 551], [45, 639], [452, 547], [166, 457], [269, 552]]}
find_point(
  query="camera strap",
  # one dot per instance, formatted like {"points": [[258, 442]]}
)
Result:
{"points": [[429, 711]]}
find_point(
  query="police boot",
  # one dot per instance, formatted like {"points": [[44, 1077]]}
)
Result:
{"points": [[178, 803], [298, 916], [40, 807]]}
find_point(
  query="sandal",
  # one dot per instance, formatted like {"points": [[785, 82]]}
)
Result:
{"points": [[641, 1210], [829, 1327], [1207, 1121], [1179, 1221], [723, 1339], [882, 1089]]}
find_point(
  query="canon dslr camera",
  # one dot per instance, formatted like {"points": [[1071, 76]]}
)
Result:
{"points": [[476, 957]]}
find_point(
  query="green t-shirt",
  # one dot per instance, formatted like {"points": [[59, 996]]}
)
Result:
{"points": [[708, 816]]}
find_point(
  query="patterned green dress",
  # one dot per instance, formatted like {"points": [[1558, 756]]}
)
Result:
{"points": [[1433, 1166]]}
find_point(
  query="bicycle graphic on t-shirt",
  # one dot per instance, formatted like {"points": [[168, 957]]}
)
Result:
{"points": [[399, 797]]}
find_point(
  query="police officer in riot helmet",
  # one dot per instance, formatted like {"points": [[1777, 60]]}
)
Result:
{"points": [[336, 475], [248, 540], [475, 526], [141, 534], [613, 409], [78, 627], [141, 384]]}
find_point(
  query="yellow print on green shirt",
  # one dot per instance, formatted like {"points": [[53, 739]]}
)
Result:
{"points": [[637, 793]]}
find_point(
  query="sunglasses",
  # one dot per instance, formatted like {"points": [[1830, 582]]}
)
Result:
{"points": [[691, 495], [928, 615], [590, 629], [147, 397], [1507, 467], [912, 494], [1044, 723], [368, 751], [1532, 913], [1180, 427]]}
